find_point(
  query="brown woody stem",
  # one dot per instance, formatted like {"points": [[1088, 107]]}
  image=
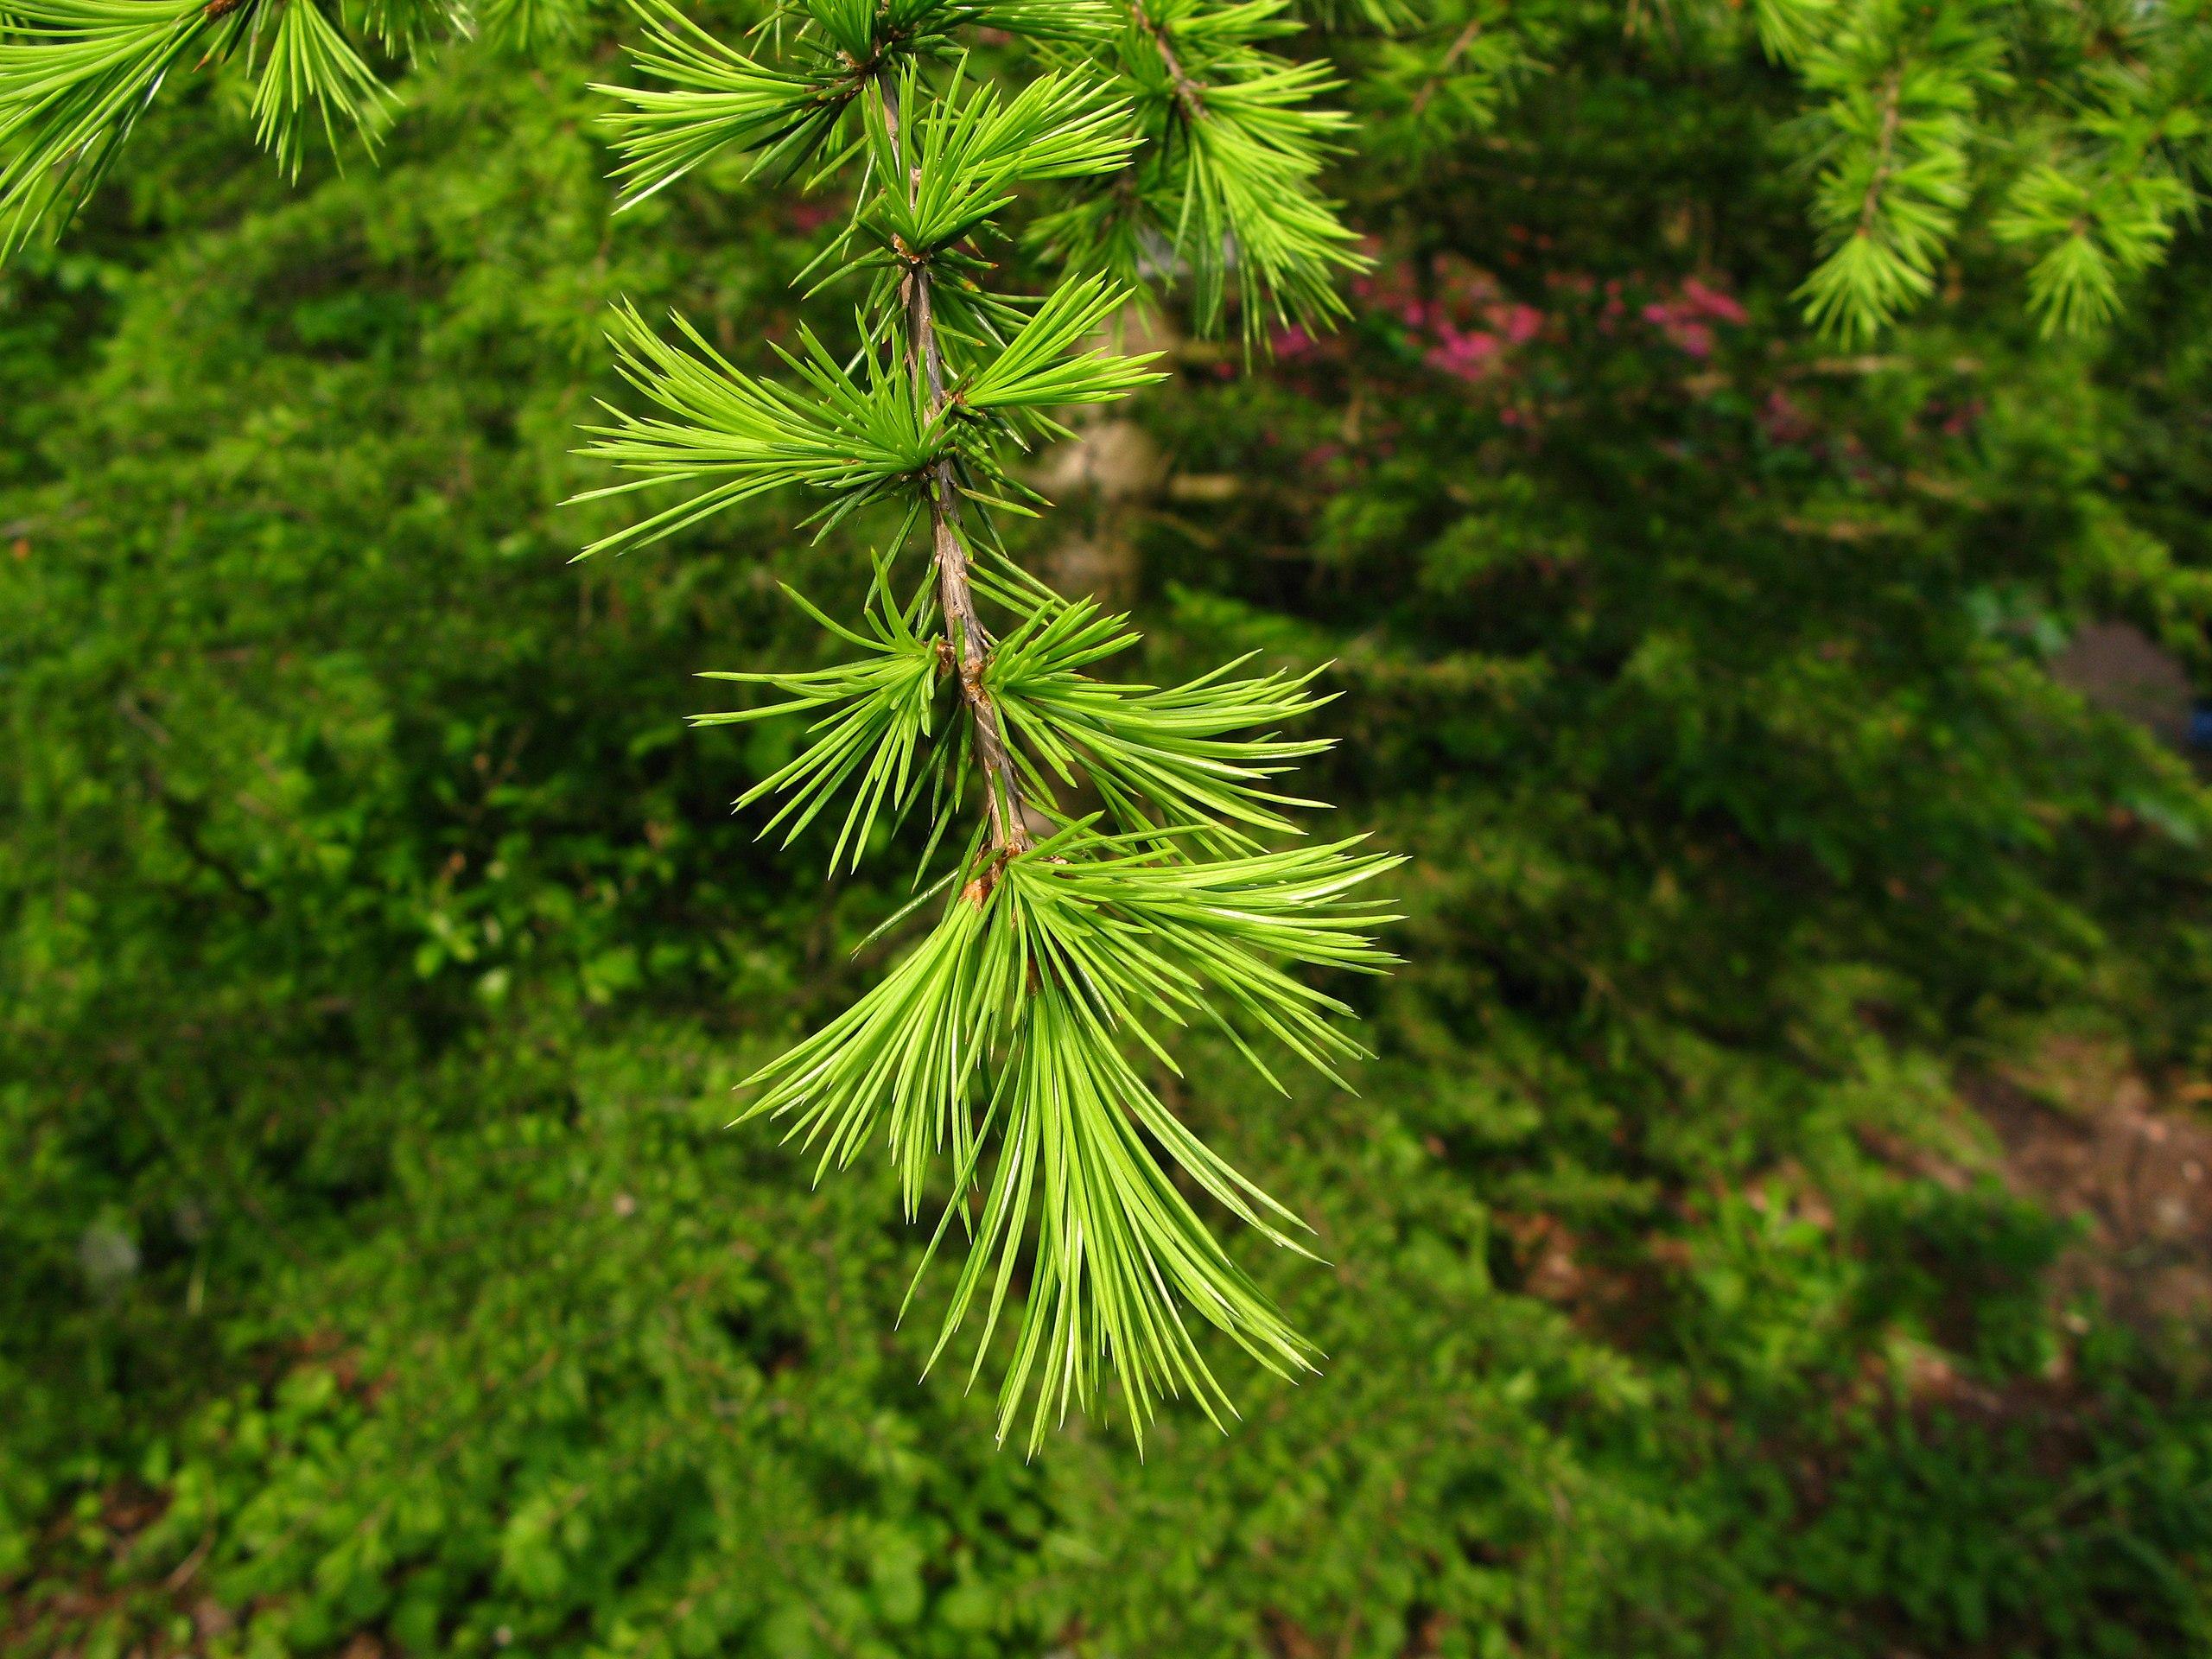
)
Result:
{"points": [[955, 595]]}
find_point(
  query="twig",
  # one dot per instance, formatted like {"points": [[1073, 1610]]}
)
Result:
{"points": [[1444, 65], [1188, 92], [182, 1573], [955, 595], [1884, 152]]}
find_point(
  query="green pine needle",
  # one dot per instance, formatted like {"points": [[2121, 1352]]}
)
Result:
{"points": [[957, 164], [1040, 368], [1154, 756], [716, 100], [1226, 185], [861, 437], [310, 74], [75, 75], [882, 712]]}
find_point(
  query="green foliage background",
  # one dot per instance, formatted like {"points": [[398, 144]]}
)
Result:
{"points": [[379, 950]]}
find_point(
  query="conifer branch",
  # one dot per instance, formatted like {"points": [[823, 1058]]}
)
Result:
{"points": [[1003, 1049]]}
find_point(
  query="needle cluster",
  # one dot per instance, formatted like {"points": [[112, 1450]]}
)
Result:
{"points": [[76, 75]]}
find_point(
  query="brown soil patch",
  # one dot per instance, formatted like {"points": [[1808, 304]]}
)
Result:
{"points": [[2086, 1135]]}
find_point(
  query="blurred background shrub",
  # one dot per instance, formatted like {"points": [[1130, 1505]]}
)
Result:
{"points": [[1776, 1219]]}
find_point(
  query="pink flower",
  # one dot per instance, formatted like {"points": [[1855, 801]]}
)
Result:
{"points": [[1291, 342], [1466, 355], [1677, 320], [1687, 319], [1711, 302], [1782, 420], [1520, 323], [1961, 419]]}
